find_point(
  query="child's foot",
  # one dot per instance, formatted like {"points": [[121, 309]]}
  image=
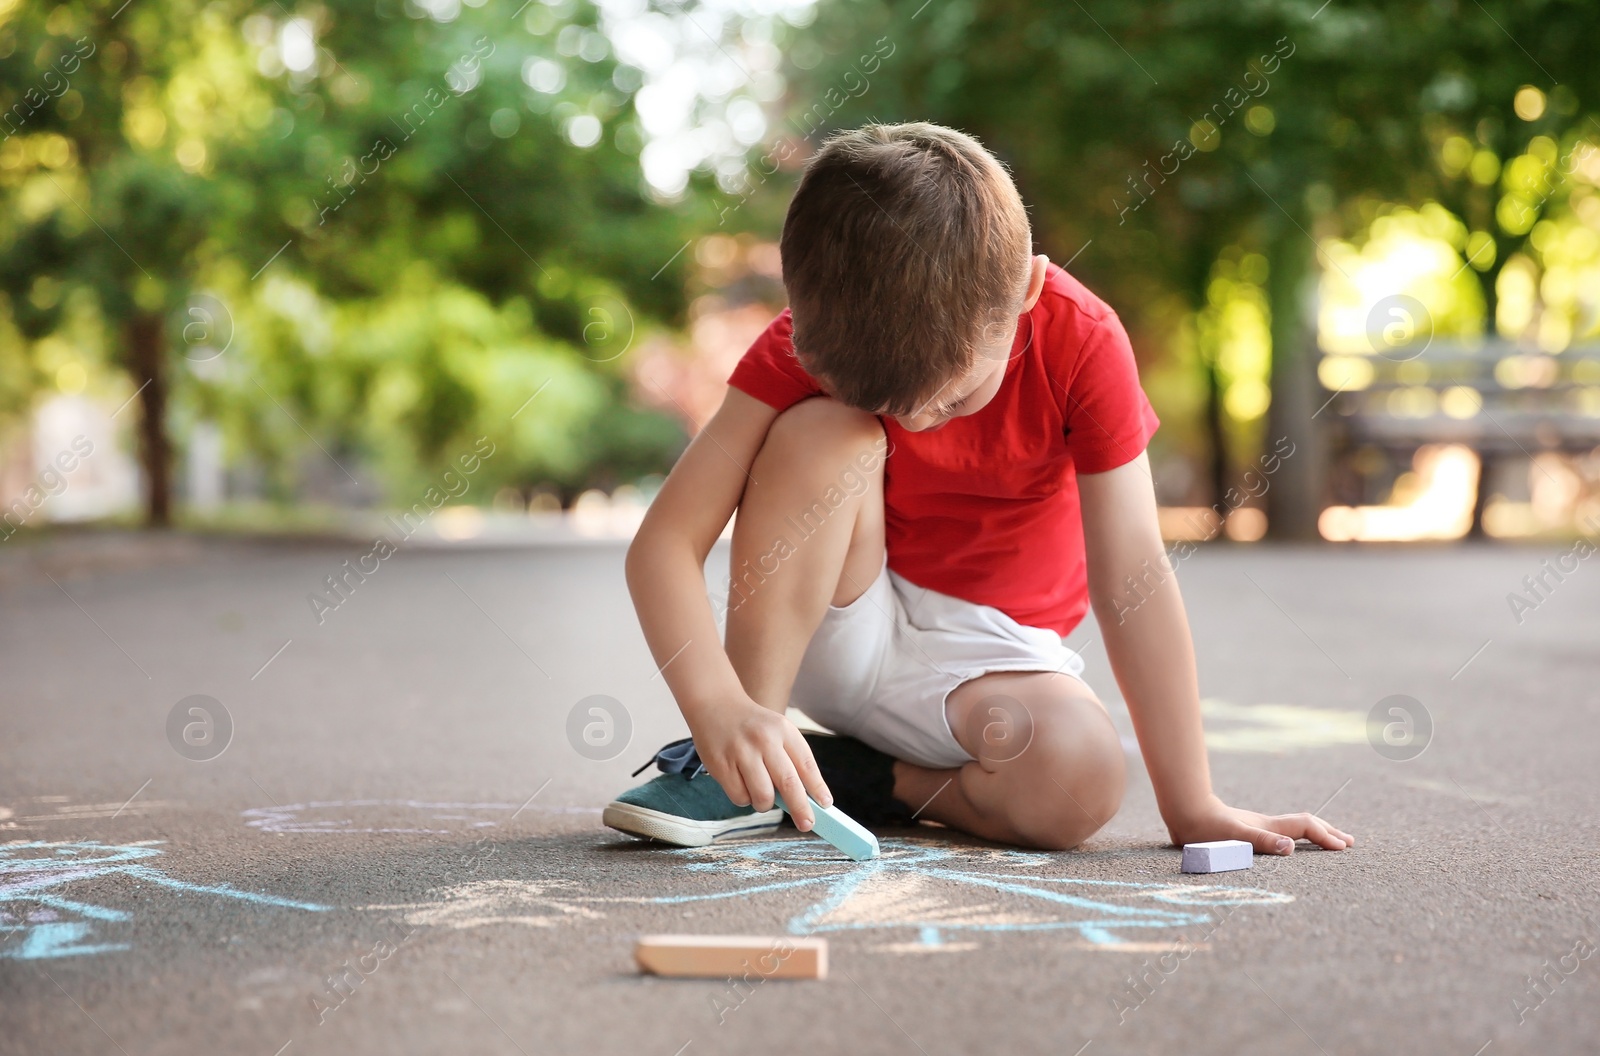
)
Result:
{"points": [[861, 779], [684, 805]]}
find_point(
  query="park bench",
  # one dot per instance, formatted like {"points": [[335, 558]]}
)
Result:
{"points": [[1501, 399]]}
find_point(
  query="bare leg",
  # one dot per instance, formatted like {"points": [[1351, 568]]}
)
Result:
{"points": [[809, 533], [1049, 770]]}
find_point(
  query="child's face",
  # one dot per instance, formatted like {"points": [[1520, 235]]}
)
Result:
{"points": [[966, 393], [970, 391]]}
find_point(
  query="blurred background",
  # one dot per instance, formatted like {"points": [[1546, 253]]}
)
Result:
{"points": [[483, 266]]}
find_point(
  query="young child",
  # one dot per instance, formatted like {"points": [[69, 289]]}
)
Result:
{"points": [[937, 457]]}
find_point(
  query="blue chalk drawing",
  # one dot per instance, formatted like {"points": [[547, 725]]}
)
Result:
{"points": [[32, 873], [926, 889], [344, 816]]}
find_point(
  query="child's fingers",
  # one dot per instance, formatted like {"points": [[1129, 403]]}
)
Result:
{"points": [[757, 782], [1265, 841], [1304, 827], [733, 787], [806, 764], [1310, 827], [1326, 836], [1349, 840], [1321, 833], [787, 779], [1318, 834]]}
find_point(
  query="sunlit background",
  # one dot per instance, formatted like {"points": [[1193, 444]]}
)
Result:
{"points": [[340, 243]]}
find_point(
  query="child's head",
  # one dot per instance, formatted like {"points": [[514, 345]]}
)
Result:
{"points": [[907, 259]]}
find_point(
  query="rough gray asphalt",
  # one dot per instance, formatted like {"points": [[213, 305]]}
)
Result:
{"points": [[380, 769]]}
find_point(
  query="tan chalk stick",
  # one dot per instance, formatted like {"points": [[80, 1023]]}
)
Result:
{"points": [[740, 956]]}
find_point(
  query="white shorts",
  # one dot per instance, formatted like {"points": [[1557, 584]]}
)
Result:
{"points": [[880, 668]]}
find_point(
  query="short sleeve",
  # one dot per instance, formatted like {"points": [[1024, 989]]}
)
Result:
{"points": [[769, 370], [1109, 420]]}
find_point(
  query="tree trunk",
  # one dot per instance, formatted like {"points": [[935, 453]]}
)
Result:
{"points": [[1216, 433], [146, 338], [1488, 281], [1295, 498], [1202, 258]]}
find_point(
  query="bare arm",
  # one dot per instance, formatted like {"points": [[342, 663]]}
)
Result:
{"points": [[1152, 656], [665, 568]]}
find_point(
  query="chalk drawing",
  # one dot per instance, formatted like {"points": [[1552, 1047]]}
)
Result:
{"points": [[928, 888], [1455, 791], [929, 897], [40, 922], [1278, 727], [540, 904], [61, 810], [379, 815]]}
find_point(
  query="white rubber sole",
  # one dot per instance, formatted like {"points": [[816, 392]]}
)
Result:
{"points": [[685, 832]]}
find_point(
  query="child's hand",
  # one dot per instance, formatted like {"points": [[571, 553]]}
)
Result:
{"points": [[751, 751], [1268, 833]]}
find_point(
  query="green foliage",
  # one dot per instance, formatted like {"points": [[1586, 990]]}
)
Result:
{"points": [[1131, 125], [400, 237], [407, 381], [405, 244], [1151, 139]]}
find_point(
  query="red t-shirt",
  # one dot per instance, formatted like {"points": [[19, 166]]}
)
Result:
{"points": [[985, 508]]}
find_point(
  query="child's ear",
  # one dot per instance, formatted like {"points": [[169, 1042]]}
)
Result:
{"points": [[1035, 282]]}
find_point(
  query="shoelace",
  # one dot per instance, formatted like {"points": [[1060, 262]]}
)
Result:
{"points": [[675, 758]]}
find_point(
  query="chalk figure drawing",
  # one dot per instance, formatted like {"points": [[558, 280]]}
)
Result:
{"points": [[928, 888], [930, 893], [344, 816], [34, 875]]}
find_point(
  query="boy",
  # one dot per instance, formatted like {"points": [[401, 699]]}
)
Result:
{"points": [[907, 449]]}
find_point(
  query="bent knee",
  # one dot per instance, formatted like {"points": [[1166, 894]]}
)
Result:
{"points": [[1080, 774], [819, 423]]}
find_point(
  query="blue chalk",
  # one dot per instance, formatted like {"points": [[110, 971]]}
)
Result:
{"points": [[841, 830]]}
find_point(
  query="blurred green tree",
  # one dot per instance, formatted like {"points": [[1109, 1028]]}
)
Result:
{"points": [[159, 154]]}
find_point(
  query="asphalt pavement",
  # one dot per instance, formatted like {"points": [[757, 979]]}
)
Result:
{"points": [[236, 821]]}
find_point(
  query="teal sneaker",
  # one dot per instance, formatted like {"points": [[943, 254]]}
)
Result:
{"points": [[684, 805]]}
